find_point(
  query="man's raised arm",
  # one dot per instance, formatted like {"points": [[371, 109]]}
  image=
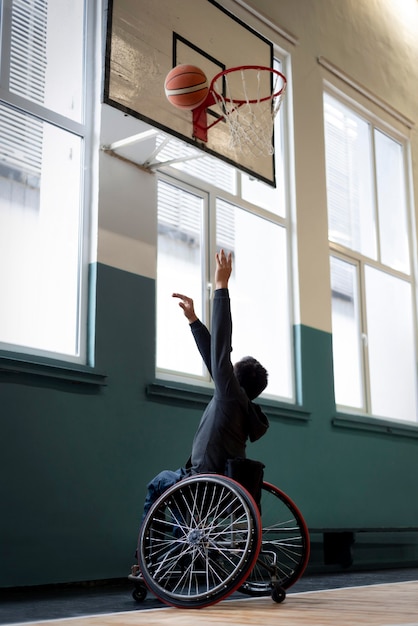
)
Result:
{"points": [[200, 332]]}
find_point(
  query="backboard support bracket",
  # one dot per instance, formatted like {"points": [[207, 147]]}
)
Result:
{"points": [[150, 164]]}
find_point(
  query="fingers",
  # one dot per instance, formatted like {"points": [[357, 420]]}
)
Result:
{"points": [[185, 303], [222, 259], [181, 297]]}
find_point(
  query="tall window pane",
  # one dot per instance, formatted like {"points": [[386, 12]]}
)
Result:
{"points": [[260, 308], [46, 54], [39, 235], [346, 334], [179, 268], [393, 227], [391, 345], [256, 191], [351, 215]]}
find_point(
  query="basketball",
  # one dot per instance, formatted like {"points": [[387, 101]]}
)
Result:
{"points": [[186, 87]]}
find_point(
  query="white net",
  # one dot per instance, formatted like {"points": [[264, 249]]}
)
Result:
{"points": [[250, 98]]}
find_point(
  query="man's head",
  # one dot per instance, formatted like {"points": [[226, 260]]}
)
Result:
{"points": [[251, 375]]}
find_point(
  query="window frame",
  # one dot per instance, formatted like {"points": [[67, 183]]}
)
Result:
{"points": [[86, 130], [384, 122], [211, 195], [235, 197]]}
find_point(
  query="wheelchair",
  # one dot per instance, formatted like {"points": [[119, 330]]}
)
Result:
{"points": [[204, 539]]}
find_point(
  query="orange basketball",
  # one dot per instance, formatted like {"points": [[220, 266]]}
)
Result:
{"points": [[186, 86]]}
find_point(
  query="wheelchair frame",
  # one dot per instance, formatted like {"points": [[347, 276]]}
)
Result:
{"points": [[204, 538]]}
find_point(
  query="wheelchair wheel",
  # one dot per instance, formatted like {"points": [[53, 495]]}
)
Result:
{"points": [[199, 541], [285, 544]]}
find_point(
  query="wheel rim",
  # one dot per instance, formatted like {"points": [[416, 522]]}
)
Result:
{"points": [[199, 540]]}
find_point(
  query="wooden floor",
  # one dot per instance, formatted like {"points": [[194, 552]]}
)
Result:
{"points": [[377, 605]]}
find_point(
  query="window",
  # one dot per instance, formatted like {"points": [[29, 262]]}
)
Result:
{"points": [[180, 268], [205, 204], [44, 145], [373, 311]]}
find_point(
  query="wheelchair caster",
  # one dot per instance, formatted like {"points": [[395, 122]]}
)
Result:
{"points": [[139, 593], [278, 594]]}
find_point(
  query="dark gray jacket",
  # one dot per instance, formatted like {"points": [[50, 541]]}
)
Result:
{"points": [[230, 417]]}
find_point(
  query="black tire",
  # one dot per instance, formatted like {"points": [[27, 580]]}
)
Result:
{"points": [[278, 594], [285, 547], [199, 541], [139, 593]]}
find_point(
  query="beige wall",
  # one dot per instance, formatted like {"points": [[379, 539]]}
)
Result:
{"points": [[127, 224], [374, 45]]}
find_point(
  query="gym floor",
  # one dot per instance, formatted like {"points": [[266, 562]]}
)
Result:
{"points": [[79, 600]]}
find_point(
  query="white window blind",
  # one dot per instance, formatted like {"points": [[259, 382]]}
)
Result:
{"points": [[28, 60], [20, 146], [218, 172], [177, 213], [20, 134]]}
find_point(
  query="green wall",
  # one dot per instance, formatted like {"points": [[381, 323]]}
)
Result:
{"points": [[76, 456]]}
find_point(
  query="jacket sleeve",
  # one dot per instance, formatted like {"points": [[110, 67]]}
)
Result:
{"points": [[221, 348], [202, 338]]}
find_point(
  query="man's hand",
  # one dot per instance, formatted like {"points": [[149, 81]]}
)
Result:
{"points": [[223, 269], [187, 305]]}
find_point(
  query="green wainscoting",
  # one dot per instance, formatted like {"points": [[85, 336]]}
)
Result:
{"points": [[77, 451]]}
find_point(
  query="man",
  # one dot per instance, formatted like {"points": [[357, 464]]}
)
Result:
{"points": [[231, 418]]}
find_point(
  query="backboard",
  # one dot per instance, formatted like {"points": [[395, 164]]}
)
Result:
{"points": [[147, 38]]}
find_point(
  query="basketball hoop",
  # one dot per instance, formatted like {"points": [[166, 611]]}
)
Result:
{"points": [[249, 97]]}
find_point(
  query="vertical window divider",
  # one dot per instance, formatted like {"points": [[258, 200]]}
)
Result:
{"points": [[412, 238], [375, 192], [210, 251], [365, 336], [207, 285]]}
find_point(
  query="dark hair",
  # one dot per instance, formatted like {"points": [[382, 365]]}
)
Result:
{"points": [[251, 375]]}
